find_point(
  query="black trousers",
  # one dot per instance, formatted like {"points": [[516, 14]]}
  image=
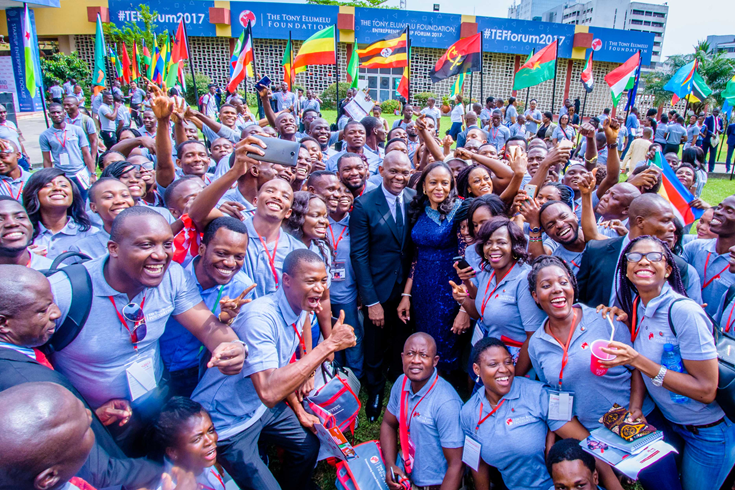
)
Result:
{"points": [[383, 345], [669, 148], [109, 138]]}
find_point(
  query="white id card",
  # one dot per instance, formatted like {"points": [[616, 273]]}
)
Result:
{"points": [[477, 334], [83, 177], [560, 405], [471, 453], [64, 159], [141, 378], [339, 271]]}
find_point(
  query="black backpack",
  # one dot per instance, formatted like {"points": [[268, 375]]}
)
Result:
{"points": [[81, 300]]}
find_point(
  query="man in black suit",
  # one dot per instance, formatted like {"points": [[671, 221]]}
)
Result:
{"points": [[27, 320], [380, 245], [648, 214]]}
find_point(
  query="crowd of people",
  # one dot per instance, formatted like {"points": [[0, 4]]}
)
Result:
{"points": [[167, 293]]}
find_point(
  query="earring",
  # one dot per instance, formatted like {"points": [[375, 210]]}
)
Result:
{"points": [[477, 379]]}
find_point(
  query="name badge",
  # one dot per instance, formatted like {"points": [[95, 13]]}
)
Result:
{"points": [[339, 271], [477, 333], [63, 158], [560, 405], [141, 378], [471, 453], [83, 177]]}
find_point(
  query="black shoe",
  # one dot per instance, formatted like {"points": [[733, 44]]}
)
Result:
{"points": [[374, 406]]}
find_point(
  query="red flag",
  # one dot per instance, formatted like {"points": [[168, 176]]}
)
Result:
{"points": [[125, 59], [179, 49], [403, 86], [134, 69]]}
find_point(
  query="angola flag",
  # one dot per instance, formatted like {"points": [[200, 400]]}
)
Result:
{"points": [[317, 50], [391, 52], [588, 81], [464, 56], [538, 68]]}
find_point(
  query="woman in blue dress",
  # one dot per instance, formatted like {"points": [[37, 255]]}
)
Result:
{"points": [[435, 235]]}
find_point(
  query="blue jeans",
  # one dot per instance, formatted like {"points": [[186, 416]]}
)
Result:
{"points": [[705, 458], [455, 130], [352, 357]]}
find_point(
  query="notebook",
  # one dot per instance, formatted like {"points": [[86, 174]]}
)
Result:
{"points": [[604, 434]]}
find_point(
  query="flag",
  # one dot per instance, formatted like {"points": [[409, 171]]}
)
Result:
{"points": [[98, 74], [244, 64], [118, 65], [353, 67], [30, 59], [180, 48], [538, 68], [675, 192], [288, 71], [390, 52], [681, 82], [166, 56], [700, 90], [729, 93], [633, 91], [457, 85], [317, 50], [464, 56], [145, 58], [135, 63], [623, 77], [588, 81], [236, 52], [155, 68], [125, 64], [403, 85]]}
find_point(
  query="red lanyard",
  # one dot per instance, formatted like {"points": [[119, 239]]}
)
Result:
{"points": [[336, 242], [221, 482], [495, 133], [30, 259], [10, 189], [63, 145], [716, 276], [480, 421], [406, 421], [488, 296], [133, 335], [565, 356], [271, 259], [404, 425], [634, 319], [301, 339]]}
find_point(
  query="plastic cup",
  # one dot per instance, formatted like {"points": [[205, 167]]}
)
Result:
{"points": [[597, 356]]}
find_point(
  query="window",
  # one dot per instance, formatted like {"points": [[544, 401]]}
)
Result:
{"points": [[638, 12], [649, 14], [655, 43], [660, 15], [647, 23], [657, 24], [636, 22]]}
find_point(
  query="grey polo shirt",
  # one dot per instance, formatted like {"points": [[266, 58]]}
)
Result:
{"points": [[58, 243], [373, 161], [674, 132], [69, 141], [531, 126], [105, 123], [514, 438], [14, 187], [614, 387], [702, 254], [96, 361], [502, 315], [266, 327], [257, 264], [83, 121], [573, 259], [235, 196], [497, 136], [94, 245], [694, 340], [341, 291], [434, 425]]}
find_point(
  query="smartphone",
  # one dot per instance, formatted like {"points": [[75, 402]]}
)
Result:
{"points": [[262, 83], [393, 475], [530, 190], [278, 151], [462, 262]]}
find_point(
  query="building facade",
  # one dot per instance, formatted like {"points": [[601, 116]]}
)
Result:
{"points": [[722, 44]]}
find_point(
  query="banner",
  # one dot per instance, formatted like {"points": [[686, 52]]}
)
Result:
{"points": [[194, 12], [427, 29], [15, 20], [269, 20], [616, 46]]}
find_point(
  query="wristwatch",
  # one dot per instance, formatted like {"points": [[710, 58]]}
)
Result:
{"points": [[535, 230], [659, 379]]}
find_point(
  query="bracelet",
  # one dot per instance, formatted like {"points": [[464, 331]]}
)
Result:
{"points": [[612, 145], [312, 374], [591, 160], [535, 239], [535, 230], [462, 309], [406, 294]]}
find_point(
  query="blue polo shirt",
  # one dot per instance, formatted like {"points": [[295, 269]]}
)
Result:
{"points": [[180, 349], [235, 195], [257, 264], [573, 259], [514, 438], [614, 387], [502, 315], [94, 245], [58, 243], [674, 132], [14, 187], [692, 134], [498, 136], [434, 425], [562, 134], [695, 342], [373, 161], [96, 360], [660, 135], [342, 291], [69, 141], [702, 255], [531, 126], [265, 325]]}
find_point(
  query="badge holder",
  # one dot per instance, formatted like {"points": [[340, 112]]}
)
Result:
{"points": [[561, 404]]}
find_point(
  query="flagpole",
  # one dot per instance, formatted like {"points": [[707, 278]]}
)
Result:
{"points": [[472, 81], [556, 69], [635, 94], [191, 64], [336, 66], [255, 71], [482, 71], [42, 87], [584, 104], [408, 64]]}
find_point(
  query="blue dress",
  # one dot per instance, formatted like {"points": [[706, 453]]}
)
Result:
{"points": [[434, 309]]}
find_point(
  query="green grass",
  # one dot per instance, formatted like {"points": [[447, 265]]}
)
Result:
{"points": [[717, 189]]}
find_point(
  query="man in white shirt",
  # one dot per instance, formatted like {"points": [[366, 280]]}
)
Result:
{"points": [[433, 111], [209, 101]]}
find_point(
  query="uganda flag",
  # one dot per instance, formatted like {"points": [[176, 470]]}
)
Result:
{"points": [[464, 56], [538, 68], [391, 52]]}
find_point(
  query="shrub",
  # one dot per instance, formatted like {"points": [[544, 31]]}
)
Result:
{"points": [[60, 66], [422, 98], [329, 96], [202, 87], [390, 106]]}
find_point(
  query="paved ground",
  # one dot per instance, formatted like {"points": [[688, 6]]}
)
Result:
{"points": [[32, 124]]}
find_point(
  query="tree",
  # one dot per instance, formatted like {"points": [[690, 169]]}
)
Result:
{"points": [[131, 32], [353, 3], [60, 66], [714, 68]]}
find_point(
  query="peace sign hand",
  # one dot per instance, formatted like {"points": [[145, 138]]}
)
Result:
{"points": [[230, 308]]}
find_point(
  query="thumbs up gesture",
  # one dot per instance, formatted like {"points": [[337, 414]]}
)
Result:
{"points": [[343, 335]]}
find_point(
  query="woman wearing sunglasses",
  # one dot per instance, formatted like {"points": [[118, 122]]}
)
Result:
{"points": [[673, 349]]}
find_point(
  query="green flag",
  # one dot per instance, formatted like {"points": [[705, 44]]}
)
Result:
{"points": [[353, 67], [33, 77], [457, 85], [98, 74]]}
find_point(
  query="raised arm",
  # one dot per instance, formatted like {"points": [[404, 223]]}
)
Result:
{"points": [[267, 109], [431, 144], [613, 157], [589, 224], [162, 107]]}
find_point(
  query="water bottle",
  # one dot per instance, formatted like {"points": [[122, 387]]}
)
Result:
{"points": [[672, 361]]}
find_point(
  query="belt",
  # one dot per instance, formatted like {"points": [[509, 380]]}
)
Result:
{"points": [[694, 429], [430, 487]]}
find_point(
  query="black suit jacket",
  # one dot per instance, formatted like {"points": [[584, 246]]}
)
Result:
{"points": [[381, 257], [598, 267], [106, 465]]}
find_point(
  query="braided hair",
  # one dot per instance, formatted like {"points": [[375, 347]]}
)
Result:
{"points": [[542, 262], [626, 289]]}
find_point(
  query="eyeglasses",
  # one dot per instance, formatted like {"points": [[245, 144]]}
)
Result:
{"points": [[133, 312], [650, 256]]}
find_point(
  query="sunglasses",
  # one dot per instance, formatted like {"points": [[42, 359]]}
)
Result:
{"points": [[134, 313], [650, 256]]}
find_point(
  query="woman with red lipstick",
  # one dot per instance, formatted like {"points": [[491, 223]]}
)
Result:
{"points": [[184, 437]]}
